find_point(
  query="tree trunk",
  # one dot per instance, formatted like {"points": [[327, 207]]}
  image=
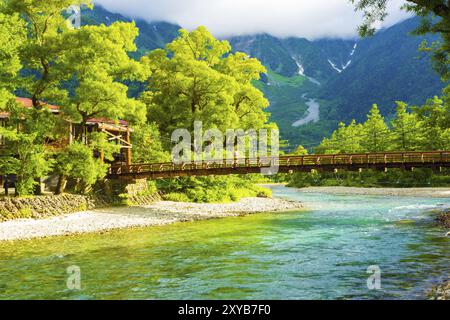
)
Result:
{"points": [[61, 186], [6, 186]]}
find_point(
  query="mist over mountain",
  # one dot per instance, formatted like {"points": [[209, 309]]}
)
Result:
{"points": [[344, 76]]}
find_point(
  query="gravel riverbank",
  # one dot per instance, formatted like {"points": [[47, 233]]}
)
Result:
{"points": [[395, 192], [159, 213]]}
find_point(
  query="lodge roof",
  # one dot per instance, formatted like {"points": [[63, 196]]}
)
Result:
{"points": [[28, 103]]}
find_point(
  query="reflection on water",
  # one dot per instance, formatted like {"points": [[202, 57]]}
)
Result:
{"points": [[320, 254]]}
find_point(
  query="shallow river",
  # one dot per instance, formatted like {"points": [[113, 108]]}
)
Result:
{"points": [[313, 113], [323, 253]]}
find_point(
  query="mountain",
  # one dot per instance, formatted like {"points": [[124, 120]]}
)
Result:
{"points": [[151, 35], [385, 68], [344, 77]]}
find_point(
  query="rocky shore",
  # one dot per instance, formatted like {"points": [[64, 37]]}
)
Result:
{"points": [[441, 292], [444, 219], [158, 213]]}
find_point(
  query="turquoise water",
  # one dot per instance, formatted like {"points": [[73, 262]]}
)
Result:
{"points": [[322, 253]]}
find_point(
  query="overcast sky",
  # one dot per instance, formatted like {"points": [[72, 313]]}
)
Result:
{"points": [[302, 18]]}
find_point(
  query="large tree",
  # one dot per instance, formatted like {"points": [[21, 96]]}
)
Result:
{"points": [[45, 25], [197, 78], [27, 154], [435, 16], [80, 69], [12, 37], [97, 59], [92, 61]]}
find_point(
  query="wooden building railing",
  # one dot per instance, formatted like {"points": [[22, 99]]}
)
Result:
{"points": [[350, 162]]}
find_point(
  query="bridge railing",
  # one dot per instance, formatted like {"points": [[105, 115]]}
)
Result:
{"points": [[409, 158]]}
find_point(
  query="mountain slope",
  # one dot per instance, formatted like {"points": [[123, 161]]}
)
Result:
{"points": [[151, 35], [353, 75], [386, 68], [346, 76]]}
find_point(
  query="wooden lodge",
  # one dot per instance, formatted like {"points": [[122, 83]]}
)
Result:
{"points": [[117, 131]]}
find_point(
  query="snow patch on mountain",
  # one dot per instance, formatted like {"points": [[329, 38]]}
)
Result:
{"points": [[354, 49], [344, 65], [334, 66], [301, 69], [347, 64]]}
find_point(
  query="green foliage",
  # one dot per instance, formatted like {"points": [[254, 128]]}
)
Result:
{"points": [[196, 78], [434, 119], [396, 178], [41, 51], [151, 187], [346, 139], [435, 16], [98, 141], [276, 79], [176, 197], [424, 128], [405, 128], [300, 151], [214, 189], [25, 153], [78, 162], [80, 69], [97, 91], [375, 132], [24, 213], [147, 145], [12, 36]]}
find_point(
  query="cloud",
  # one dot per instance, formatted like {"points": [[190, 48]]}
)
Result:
{"points": [[282, 18]]}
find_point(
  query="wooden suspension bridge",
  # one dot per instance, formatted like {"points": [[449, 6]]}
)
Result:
{"points": [[286, 164]]}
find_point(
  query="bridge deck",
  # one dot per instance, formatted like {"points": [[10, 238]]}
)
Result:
{"points": [[285, 164]]}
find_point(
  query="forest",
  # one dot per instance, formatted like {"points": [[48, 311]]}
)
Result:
{"points": [[90, 73], [414, 128]]}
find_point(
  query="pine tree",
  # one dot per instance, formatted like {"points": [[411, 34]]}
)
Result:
{"points": [[406, 132], [433, 124], [375, 131], [346, 139]]}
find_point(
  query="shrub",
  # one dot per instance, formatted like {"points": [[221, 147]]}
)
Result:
{"points": [[176, 197], [214, 189], [25, 213]]}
